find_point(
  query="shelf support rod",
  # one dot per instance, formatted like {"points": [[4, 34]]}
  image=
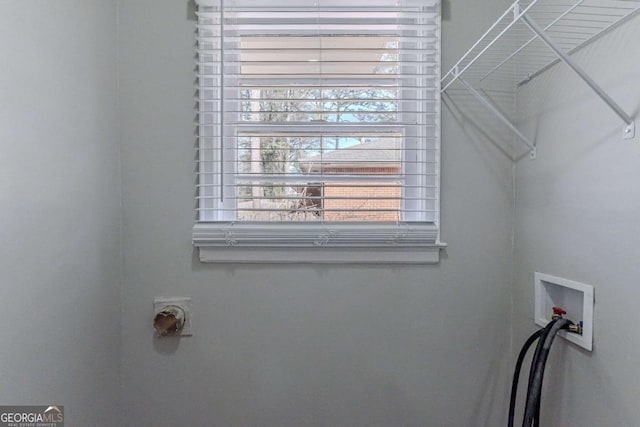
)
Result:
{"points": [[579, 71], [498, 114]]}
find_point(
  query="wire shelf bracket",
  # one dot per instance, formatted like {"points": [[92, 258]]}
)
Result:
{"points": [[626, 118], [573, 25]]}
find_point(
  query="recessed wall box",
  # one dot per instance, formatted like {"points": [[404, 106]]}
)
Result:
{"points": [[574, 297]]}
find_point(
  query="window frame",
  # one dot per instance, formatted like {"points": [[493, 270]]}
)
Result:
{"points": [[225, 240]]}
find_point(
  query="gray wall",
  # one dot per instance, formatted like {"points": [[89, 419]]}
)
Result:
{"points": [[294, 345], [304, 345], [577, 216], [60, 217]]}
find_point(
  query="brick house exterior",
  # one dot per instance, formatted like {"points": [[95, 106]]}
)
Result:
{"points": [[354, 200]]}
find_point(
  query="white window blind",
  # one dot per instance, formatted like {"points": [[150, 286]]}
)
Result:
{"points": [[318, 123]]}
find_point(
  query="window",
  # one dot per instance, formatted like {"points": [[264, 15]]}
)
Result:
{"points": [[318, 130]]}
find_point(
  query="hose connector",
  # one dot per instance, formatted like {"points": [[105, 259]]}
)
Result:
{"points": [[576, 328]]}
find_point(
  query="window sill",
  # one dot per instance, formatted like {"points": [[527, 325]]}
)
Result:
{"points": [[342, 243]]}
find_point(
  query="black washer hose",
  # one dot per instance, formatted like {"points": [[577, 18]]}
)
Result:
{"points": [[539, 335], [534, 362], [516, 373], [533, 395]]}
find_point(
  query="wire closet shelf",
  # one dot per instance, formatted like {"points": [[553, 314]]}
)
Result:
{"points": [[530, 37]]}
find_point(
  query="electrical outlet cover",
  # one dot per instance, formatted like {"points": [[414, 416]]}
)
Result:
{"points": [[574, 297], [159, 303]]}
